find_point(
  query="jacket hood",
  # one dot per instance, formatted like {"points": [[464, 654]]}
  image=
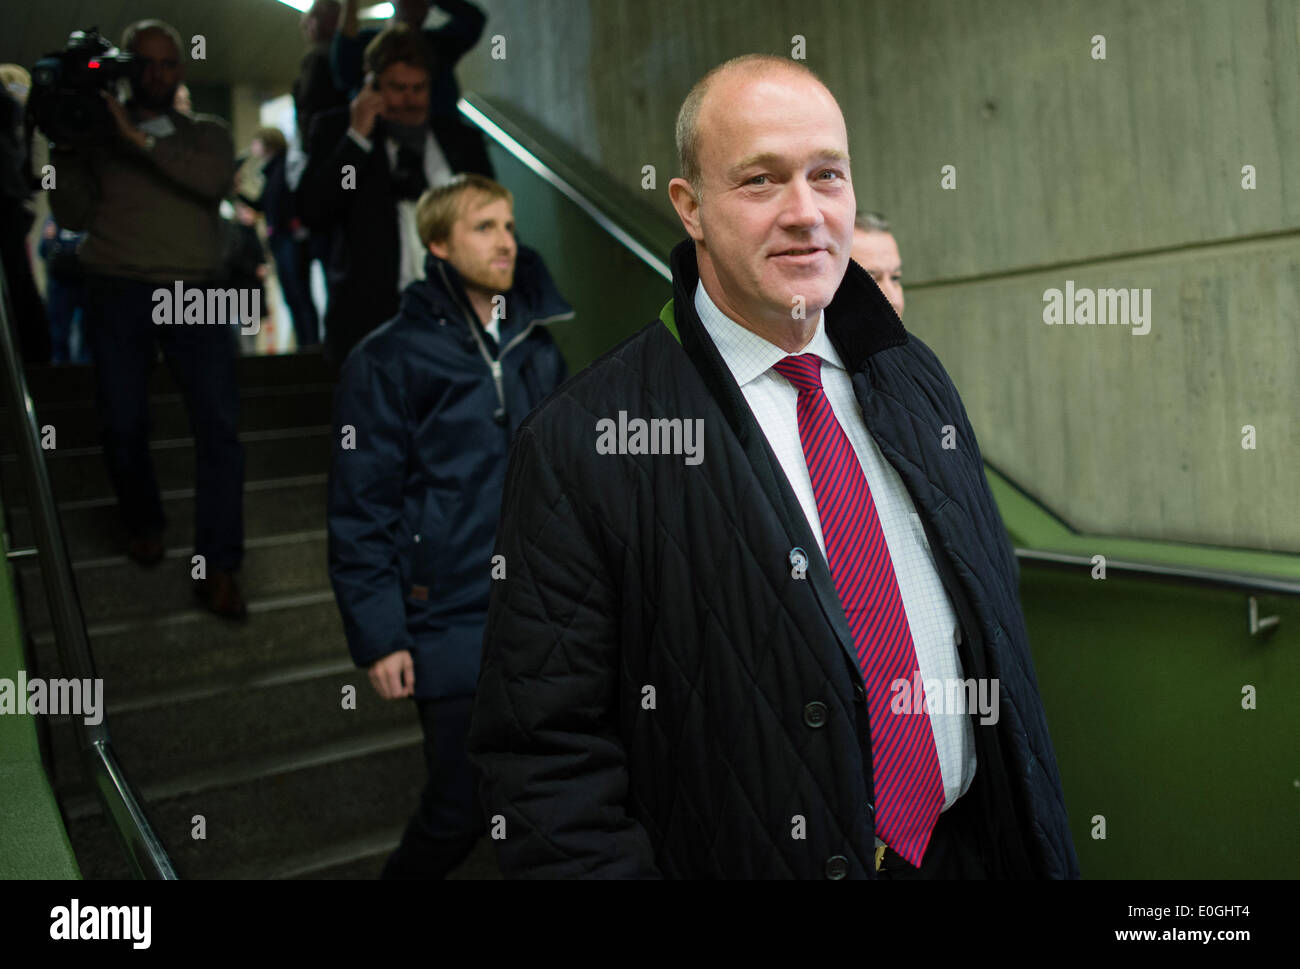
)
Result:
{"points": [[441, 294]]}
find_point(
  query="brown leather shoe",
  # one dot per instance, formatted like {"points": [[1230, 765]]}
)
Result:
{"points": [[220, 593], [146, 549]]}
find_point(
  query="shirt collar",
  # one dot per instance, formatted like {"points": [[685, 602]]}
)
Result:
{"points": [[747, 354]]}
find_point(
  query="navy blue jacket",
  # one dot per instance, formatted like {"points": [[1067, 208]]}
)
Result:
{"points": [[661, 695], [413, 505]]}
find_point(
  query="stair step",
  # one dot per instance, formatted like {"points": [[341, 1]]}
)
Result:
{"points": [[365, 860], [240, 723], [76, 422], [360, 859], [188, 650], [77, 474], [55, 383], [257, 824], [115, 588], [252, 715], [93, 529]]}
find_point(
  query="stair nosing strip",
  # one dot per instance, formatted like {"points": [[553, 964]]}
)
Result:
{"points": [[262, 680], [180, 494], [229, 775], [352, 851], [179, 443], [180, 554], [45, 635], [169, 397]]}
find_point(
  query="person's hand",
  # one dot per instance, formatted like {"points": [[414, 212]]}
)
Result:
{"points": [[393, 676], [128, 132], [366, 107]]}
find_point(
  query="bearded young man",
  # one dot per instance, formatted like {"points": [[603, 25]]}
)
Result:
{"points": [[424, 413]]}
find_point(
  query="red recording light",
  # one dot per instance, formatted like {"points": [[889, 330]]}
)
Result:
{"points": [[93, 65]]}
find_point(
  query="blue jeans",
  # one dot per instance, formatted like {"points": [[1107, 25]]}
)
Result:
{"points": [[119, 324], [64, 305], [448, 823]]}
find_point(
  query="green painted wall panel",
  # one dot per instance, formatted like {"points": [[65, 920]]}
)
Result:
{"points": [[1142, 684], [33, 842]]}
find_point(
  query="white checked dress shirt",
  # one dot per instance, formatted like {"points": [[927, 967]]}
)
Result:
{"points": [[773, 400]]}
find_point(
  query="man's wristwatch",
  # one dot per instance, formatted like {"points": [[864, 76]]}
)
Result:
{"points": [[149, 142]]}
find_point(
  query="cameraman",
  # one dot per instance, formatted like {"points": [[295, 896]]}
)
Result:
{"points": [[148, 202]]}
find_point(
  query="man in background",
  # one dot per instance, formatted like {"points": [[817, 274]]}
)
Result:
{"points": [[367, 165], [432, 399], [30, 326], [876, 251], [65, 294], [177, 169], [444, 45], [285, 234], [314, 90]]}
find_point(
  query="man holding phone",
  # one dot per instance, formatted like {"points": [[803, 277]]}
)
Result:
{"points": [[368, 164]]}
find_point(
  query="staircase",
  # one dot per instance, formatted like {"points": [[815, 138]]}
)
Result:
{"points": [[241, 724]]}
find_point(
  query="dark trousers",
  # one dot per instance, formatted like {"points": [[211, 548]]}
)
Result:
{"points": [[293, 270], [956, 849], [448, 823], [123, 339], [29, 325]]}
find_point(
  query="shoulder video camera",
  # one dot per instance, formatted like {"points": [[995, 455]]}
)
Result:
{"points": [[65, 100]]}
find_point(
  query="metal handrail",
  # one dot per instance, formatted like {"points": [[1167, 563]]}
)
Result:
{"points": [[509, 133], [1214, 577], [122, 805]]}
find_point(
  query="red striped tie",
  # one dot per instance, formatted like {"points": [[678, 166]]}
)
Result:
{"points": [[908, 784]]}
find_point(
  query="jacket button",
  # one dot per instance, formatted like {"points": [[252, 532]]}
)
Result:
{"points": [[837, 866], [859, 694], [814, 714]]}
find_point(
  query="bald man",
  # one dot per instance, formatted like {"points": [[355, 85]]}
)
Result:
{"points": [[754, 612], [876, 250]]}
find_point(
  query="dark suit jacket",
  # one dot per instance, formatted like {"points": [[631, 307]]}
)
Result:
{"points": [[364, 249], [314, 90], [276, 201]]}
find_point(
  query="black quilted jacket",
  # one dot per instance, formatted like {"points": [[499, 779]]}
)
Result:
{"points": [[659, 696]]}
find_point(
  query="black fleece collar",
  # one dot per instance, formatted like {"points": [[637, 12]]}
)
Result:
{"points": [[859, 321]]}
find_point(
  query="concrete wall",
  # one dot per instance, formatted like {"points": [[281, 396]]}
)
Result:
{"points": [[1123, 172]]}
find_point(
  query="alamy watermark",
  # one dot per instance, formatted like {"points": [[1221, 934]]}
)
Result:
{"points": [[949, 695], [208, 305], [78, 698], [1088, 307], [658, 435], [75, 922]]}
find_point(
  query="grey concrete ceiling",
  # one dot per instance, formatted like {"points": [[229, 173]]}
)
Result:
{"points": [[248, 41]]}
